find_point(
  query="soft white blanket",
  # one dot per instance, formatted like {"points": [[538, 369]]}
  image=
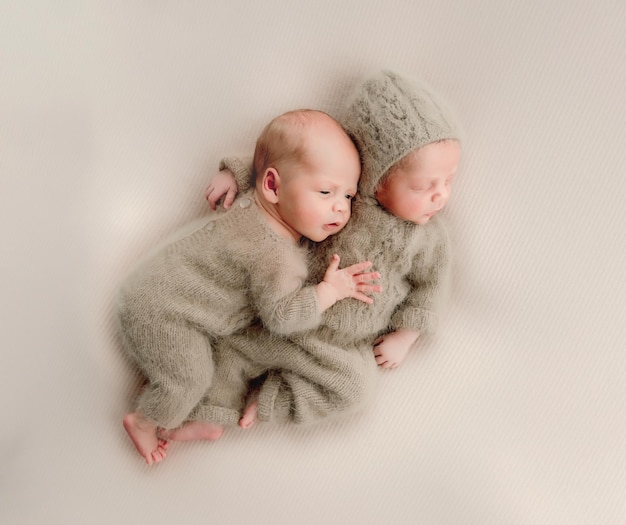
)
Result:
{"points": [[113, 116]]}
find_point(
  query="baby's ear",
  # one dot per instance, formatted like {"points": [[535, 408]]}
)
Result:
{"points": [[269, 185]]}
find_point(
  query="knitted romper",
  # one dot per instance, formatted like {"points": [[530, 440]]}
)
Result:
{"points": [[225, 276]]}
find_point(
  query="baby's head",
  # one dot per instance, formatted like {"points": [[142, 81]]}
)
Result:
{"points": [[306, 172], [409, 143]]}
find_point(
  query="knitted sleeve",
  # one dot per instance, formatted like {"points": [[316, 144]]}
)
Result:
{"points": [[241, 168], [295, 312], [429, 280], [277, 288]]}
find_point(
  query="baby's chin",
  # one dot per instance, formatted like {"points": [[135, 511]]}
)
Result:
{"points": [[321, 236], [422, 220], [327, 231]]}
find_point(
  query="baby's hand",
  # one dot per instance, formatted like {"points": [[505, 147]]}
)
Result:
{"points": [[391, 349], [352, 281], [223, 184]]}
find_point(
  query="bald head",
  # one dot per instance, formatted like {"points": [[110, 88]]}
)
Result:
{"points": [[297, 136]]}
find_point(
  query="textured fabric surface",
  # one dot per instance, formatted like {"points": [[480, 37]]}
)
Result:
{"points": [[114, 115], [211, 283]]}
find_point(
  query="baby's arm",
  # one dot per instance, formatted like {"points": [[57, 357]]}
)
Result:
{"points": [[347, 282], [235, 175], [418, 313], [295, 307]]}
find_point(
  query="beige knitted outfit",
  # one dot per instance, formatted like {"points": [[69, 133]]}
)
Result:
{"points": [[225, 276], [331, 369]]}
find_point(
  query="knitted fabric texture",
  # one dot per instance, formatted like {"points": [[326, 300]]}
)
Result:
{"points": [[329, 369], [228, 274], [309, 377], [414, 263], [388, 118]]}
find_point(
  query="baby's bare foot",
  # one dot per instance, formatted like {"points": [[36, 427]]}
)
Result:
{"points": [[143, 433], [249, 417], [194, 431]]}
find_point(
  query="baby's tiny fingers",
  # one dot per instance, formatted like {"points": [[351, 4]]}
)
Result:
{"points": [[358, 267], [363, 277], [362, 297], [229, 199], [369, 288]]}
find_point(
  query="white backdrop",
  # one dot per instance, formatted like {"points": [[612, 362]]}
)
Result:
{"points": [[113, 115]]}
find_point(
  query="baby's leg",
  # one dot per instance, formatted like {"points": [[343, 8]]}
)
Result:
{"points": [[225, 399], [143, 433], [292, 398], [317, 381], [194, 431], [175, 357]]}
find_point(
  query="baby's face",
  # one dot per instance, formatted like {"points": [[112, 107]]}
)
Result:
{"points": [[420, 188], [316, 195]]}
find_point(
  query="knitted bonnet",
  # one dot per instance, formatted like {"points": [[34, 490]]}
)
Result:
{"points": [[389, 117]]}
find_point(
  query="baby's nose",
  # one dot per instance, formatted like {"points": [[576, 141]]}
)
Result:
{"points": [[441, 195], [341, 205]]}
